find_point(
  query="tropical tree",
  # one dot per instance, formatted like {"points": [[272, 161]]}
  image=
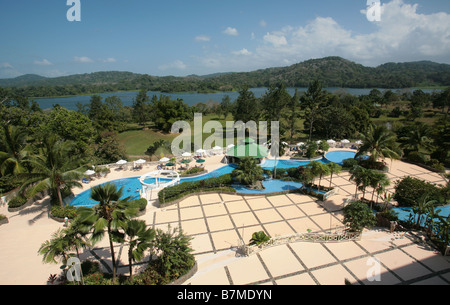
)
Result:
{"points": [[248, 171], [54, 169], [378, 181], [333, 168], [422, 206], [109, 215], [318, 169], [139, 239], [56, 248], [14, 150], [379, 142], [360, 176], [417, 138], [312, 102]]}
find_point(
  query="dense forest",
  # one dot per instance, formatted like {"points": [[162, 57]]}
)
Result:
{"points": [[330, 71]]}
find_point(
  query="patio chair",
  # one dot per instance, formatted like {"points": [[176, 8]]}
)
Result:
{"points": [[85, 180]]}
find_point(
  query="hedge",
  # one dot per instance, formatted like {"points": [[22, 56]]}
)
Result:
{"points": [[178, 191]]}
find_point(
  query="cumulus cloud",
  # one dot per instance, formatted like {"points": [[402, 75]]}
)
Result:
{"points": [[275, 39], [244, 51], [231, 31], [43, 62], [202, 38], [82, 59]]}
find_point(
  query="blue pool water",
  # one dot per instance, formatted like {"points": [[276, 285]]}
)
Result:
{"points": [[404, 213], [338, 156], [132, 186]]}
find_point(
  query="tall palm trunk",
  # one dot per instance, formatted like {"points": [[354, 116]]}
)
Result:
{"points": [[113, 255]]}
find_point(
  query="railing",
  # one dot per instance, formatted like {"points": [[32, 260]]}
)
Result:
{"points": [[299, 237]]}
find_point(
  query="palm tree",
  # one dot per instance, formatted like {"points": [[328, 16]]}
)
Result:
{"points": [[110, 214], [334, 168], [315, 169], [55, 248], [54, 169], [379, 142], [277, 149], [360, 176], [14, 151], [378, 181], [417, 138], [139, 239], [248, 171], [322, 170], [422, 206]]}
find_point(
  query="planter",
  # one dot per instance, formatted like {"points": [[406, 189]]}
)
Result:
{"points": [[185, 277], [4, 221]]}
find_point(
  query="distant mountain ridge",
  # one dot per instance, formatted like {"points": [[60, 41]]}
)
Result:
{"points": [[331, 71]]}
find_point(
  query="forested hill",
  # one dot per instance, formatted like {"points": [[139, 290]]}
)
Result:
{"points": [[331, 71]]}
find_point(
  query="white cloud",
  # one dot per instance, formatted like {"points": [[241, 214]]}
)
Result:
{"points": [[403, 34], [242, 52], [43, 62], [82, 59], [8, 71], [202, 38], [275, 39], [177, 65], [109, 60], [231, 31], [263, 23]]}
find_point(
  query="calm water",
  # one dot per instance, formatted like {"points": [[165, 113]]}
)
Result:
{"points": [[188, 98]]}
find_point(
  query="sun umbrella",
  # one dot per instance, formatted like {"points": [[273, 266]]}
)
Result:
{"points": [[121, 162], [186, 154], [318, 142], [300, 144], [217, 147], [186, 161], [200, 161], [170, 164], [345, 141], [331, 141], [164, 159], [89, 172], [140, 161], [359, 142]]}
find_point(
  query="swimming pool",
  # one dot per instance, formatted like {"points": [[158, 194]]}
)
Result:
{"points": [[404, 213], [132, 186], [338, 156]]}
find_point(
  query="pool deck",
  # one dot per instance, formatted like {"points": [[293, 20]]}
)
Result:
{"points": [[217, 222]]}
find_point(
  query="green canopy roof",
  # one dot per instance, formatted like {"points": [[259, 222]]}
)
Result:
{"points": [[251, 149]]}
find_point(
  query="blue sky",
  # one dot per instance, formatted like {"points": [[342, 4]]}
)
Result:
{"points": [[175, 37]]}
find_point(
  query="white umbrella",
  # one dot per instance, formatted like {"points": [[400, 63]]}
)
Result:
{"points": [[164, 159], [89, 172], [200, 151], [331, 141], [345, 141], [120, 162], [284, 143], [217, 147], [186, 154], [232, 145], [359, 142], [318, 142], [300, 144], [140, 161]]}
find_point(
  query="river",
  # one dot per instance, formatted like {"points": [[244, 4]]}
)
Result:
{"points": [[190, 98]]}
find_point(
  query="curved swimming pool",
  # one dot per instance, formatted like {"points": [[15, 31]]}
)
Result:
{"points": [[132, 186]]}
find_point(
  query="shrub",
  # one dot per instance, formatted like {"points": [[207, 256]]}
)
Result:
{"points": [[357, 216], [17, 201], [178, 191], [66, 211], [259, 238], [194, 170], [349, 163], [408, 191]]}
